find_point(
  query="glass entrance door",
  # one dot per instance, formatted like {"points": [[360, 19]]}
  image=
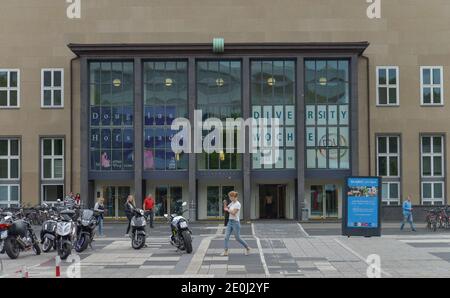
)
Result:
{"points": [[272, 199], [215, 197], [168, 198], [115, 198], [324, 202]]}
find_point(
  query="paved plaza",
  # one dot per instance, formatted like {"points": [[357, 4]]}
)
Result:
{"points": [[279, 249]]}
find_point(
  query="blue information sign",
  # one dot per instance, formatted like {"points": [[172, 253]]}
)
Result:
{"points": [[362, 207]]}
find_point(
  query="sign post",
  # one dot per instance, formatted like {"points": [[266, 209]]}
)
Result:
{"points": [[362, 207]]}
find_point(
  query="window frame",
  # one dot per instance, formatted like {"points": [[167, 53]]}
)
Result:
{"points": [[431, 85], [388, 155], [391, 201], [432, 200], [10, 157], [388, 85], [9, 202], [432, 154], [8, 89], [52, 158], [52, 88], [50, 184]]}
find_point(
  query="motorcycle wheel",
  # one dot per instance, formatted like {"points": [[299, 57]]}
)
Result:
{"points": [[36, 248], [187, 241], [65, 251], [82, 244], [139, 242], [12, 248], [47, 245]]}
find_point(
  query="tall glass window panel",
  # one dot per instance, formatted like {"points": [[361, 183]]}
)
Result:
{"points": [[219, 95], [111, 116], [273, 96], [165, 99], [327, 112]]}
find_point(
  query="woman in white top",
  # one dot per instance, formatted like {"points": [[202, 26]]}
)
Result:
{"points": [[233, 224]]}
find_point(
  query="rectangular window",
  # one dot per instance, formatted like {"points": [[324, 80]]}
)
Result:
{"points": [[52, 164], [327, 97], [388, 86], [388, 167], [52, 88], [52, 192], [391, 193], [111, 116], [9, 159], [9, 88], [165, 99], [432, 169], [431, 85], [9, 195]]}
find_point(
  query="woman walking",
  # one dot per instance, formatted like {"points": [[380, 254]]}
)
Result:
{"points": [[130, 205], [234, 224], [100, 208]]}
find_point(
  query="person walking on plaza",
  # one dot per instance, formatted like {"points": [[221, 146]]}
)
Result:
{"points": [[149, 205], [100, 208], [130, 205], [407, 214], [234, 225]]}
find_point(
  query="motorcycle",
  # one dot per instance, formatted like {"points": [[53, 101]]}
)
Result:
{"points": [[5, 223], [138, 224], [181, 234], [65, 233], [86, 229], [20, 237], [48, 234]]}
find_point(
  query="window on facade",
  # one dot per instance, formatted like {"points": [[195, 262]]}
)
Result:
{"points": [[388, 85], [9, 159], [9, 195], [52, 88], [219, 95], [388, 167], [9, 88], [431, 85], [165, 98], [112, 116], [52, 159], [327, 114], [52, 192], [273, 96], [432, 169]]}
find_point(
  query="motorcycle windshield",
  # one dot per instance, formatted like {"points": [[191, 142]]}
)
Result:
{"points": [[87, 214]]}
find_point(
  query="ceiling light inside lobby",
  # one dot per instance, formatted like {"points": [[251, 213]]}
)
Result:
{"points": [[168, 82], [271, 81], [117, 82], [220, 82]]}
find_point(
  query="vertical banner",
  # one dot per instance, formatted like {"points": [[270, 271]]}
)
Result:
{"points": [[362, 207]]}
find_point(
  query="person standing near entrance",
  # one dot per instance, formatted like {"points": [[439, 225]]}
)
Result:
{"points": [[407, 214], [234, 224], [100, 208], [149, 205], [130, 205]]}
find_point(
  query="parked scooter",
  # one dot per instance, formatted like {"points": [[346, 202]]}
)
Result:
{"points": [[20, 237], [138, 233], [48, 234], [5, 222], [181, 234], [86, 229], [66, 233]]}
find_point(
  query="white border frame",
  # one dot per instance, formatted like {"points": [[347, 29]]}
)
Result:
{"points": [[52, 157], [388, 155], [390, 201], [432, 155], [432, 200], [441, 85], [388, 86], [8, 89], [52, 88]]}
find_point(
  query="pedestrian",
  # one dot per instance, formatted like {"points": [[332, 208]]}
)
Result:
{"points": [[78, 199], [234, 223], [407, 214], [100, 209], [149, 205], [226, 202], [130, 205]]}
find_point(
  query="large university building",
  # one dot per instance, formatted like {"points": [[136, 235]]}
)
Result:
{"points": [[87, 104]]}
